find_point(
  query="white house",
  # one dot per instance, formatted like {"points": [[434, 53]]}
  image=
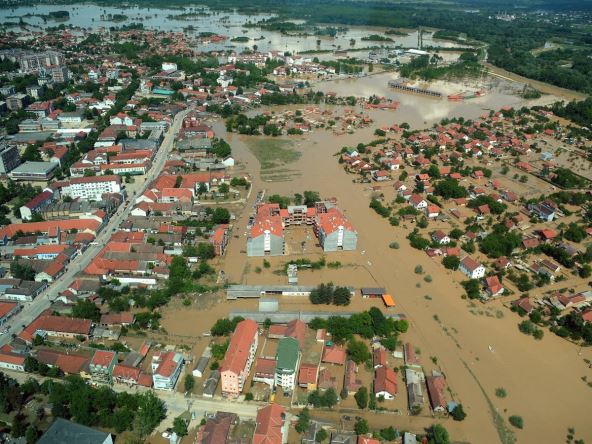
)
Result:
{"points": [[440, 237], [166, 368], [472, 268], [418, 202]]}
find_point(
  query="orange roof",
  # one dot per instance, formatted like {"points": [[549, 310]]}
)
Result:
{"points": [[264, 223], [167, 364], [6, 307], [332, 220], [103, 358], [334, 355], [126, 372], [12, 358], [270, 420], [307, 374], [238, 349], [388, 300], [61, 324], [385, 380], [47, 226], [54, 268]]}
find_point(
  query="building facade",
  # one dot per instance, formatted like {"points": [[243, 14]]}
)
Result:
{"points": [[239, 358]]}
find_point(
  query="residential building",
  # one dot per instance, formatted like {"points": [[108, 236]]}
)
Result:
{"points": [[101, 366], [265, 371], [385, 383], [17, 101], [307, 376], [472, 268], [9, 158], [335, 232], [436, 387], [8, 310], [288, 359], [414, 380], [38, 203], [12, 361], [63, 431], [166, 368], [217, 429], [272, 427], [57, 326], [239, 357], [266, 236], [92, 188]]}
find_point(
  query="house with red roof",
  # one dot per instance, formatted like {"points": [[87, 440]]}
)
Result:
{"points": [[436, 387], [8, 310], [432, 211], [418, 202], [308, 375], [124, 318], [219, 239], [101, 366], [385, 383], [51, 229], [472, 268], [351, 381], [493, 286], [272, 427], [68, 363], [239, 358], [12, 361], [57, 326], [334, 355]]}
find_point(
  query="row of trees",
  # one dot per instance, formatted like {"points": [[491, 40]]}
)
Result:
{"points": [[329, 294]]}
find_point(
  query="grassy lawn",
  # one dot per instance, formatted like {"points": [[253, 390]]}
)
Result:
{"points": [[272, 153]]}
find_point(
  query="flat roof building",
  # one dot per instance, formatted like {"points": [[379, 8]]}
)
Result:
{"points": [[34, 171]]}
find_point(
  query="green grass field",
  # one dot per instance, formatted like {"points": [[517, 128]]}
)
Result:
{"points": [[272, 153]]}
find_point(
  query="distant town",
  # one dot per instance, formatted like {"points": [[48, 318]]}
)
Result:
{"points": [[248, 230]]}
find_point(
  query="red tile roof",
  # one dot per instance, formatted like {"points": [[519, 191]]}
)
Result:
{"points": [[240, 344], [6, 307], [334, 355], [332, 220], [436, 386], [103, 358], [307, 374], [385, 380], [49, 226], [61, 324], [270, 420]]}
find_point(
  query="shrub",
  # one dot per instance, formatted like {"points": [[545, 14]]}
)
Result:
{"points": [[394, 245], [516, 421], [458, 413], [428, 278], [418, 269], [501, 392]]}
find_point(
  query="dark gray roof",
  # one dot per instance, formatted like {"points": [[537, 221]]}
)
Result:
{"points": [[68, 432]]}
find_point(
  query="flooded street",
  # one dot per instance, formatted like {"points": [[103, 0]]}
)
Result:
{"points": [[478, 353]]}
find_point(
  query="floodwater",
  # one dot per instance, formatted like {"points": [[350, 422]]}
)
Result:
{"points": [[91, 16], [477, 353]]}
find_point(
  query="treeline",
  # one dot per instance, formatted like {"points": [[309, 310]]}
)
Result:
{"points": [[75, 400]]}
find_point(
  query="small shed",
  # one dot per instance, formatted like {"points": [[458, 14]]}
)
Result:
{"points": [[201, 366], [388, 300], [372, 292]]}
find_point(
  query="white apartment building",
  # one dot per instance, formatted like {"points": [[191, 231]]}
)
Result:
{"points": [[92, 188], [166, 368]]}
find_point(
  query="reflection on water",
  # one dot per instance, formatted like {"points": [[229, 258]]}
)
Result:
{"points": [[225, 23]]}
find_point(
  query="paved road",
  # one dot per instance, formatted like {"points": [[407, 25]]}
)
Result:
{"points": [[176, 403], [33, 309]]}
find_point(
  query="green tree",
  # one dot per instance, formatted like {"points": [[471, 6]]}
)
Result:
{"points": [[180, 426], [189, 382], [151, 411], [303, 421], [329, 398], [451, 262], [86, 309], [361, 427], [361, 397], [516, 421], [438, 435], [358, 351], [458, 413], [322, 435]]}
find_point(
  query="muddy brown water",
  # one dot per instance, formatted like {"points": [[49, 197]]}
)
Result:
{"points": [[478, 354]]}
